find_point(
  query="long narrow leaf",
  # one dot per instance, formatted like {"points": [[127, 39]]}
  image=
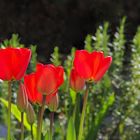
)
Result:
{"points": [[71, 134]]}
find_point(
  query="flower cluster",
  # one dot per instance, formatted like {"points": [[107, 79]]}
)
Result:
{"points": [[88, 67], [41, 87], [45, 81]]}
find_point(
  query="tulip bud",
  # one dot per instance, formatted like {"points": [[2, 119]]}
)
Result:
{"points": [[22, 99], [76, 82], [30, 114], [53, 102]]}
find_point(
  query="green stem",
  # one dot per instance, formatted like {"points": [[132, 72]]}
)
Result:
{"points": [[40, 118], [51, 125], [76, 113], [83, 113], [75, 107], [22, 126], [32, 132], [9, 109]]}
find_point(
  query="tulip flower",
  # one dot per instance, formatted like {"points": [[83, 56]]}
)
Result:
{"points": [[41, 84], [76, 82], [34, 96], [91, 66], [13, 63], [45, 80], [49, 78]]}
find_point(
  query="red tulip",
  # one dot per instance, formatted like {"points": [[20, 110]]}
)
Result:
{"points": [[49, 78], [13, 62], [45, 80], [91, 66], [76, 82]]}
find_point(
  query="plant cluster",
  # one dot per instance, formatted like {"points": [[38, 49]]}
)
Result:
{"points": [[78, 101]]}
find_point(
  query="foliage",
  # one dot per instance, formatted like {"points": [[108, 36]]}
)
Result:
{"points": [[17, 114], [14, 41]]}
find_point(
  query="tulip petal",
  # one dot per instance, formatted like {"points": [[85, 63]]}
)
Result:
{"points": [[29, 81], [30, 84], [82, 63], [96, 58], [60, 73], [47, 82], [104, 65], [22, 58], [39, 67], [5, 64]]}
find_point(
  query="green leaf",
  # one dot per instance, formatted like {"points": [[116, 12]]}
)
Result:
{"points": [[101, 38], [73, 96], [33, 61], [14, 41], [88, 43], [92, 135], [47, 136], [76, 112], [17, 114], [56, 57], [71, 134]]}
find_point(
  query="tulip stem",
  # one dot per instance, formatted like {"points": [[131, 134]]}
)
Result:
{"points": [[40, 118], [32, 132], [76, 106], [9, 109], [22, 126], [51, 125], [83, 113]]}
